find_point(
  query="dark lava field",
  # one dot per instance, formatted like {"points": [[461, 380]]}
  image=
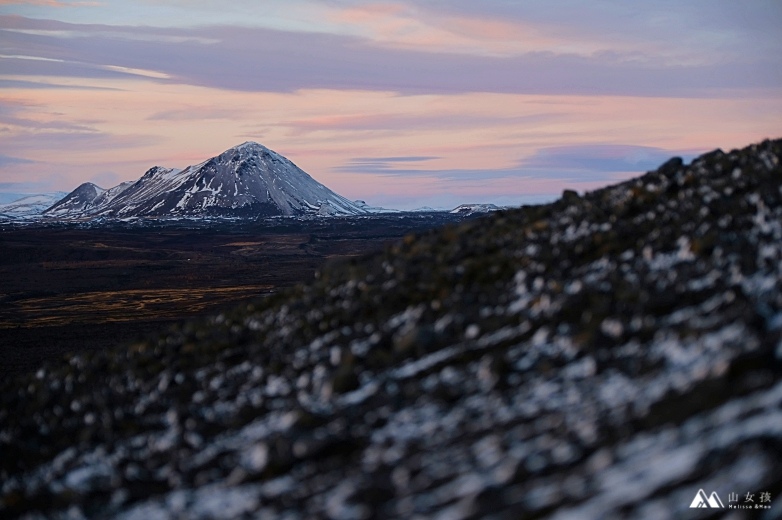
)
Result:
{"points": [[612, 355], [66, 287]]}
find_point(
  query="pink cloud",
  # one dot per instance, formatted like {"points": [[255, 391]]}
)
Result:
{"points": [[478, 139], [424, 29], [340, 121]]}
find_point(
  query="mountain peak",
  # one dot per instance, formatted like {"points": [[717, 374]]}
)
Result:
{"points": [[249, 147], [155, 170], [244, 152], [78, 201], [250, 144], [89, 186]]}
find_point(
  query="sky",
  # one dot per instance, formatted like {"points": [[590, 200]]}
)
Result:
{"points": [[402, 104]]}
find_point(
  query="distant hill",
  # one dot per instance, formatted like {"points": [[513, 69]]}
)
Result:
{"points": [[611, 355], [24, 206], [470, 209]]}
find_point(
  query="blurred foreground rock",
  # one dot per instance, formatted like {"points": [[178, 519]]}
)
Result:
{"points": [[604, 356]]}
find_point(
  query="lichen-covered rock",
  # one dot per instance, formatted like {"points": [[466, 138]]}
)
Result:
{"points": [[604, 356]]}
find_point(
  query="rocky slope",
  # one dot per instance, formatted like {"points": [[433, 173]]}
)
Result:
{"points": [[604, 356], [248, 180]]}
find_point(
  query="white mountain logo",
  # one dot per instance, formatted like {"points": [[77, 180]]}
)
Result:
{"points": [[703, 501]]}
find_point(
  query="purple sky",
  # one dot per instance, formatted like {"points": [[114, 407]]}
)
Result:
{"points": [[402, 104]]}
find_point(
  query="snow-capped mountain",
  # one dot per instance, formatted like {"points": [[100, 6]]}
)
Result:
{"points": [[470, 209], [30, 205], [244, 181]]}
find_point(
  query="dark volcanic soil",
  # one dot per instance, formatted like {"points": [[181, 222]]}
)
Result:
{"points": [[66, 288]]}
